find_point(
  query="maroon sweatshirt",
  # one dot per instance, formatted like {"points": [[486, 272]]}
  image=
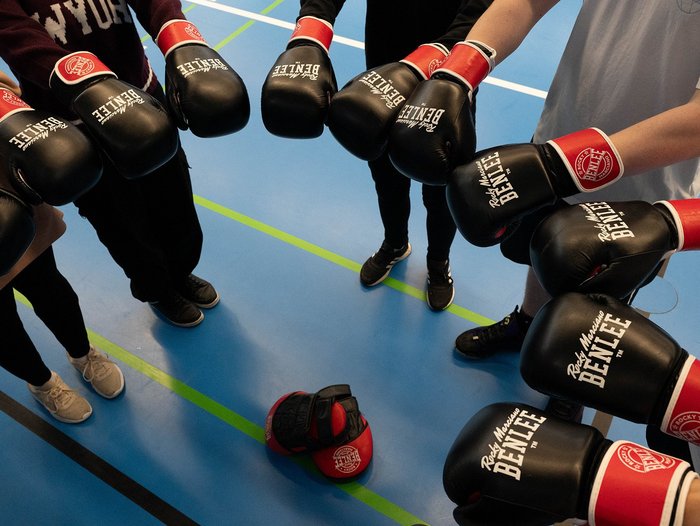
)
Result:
{"points": [[34, 34]]}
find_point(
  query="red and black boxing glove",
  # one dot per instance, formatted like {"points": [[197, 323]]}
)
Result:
{"points": [[363, 112], [514, 464], [48, 158], [611, 248], [130, 126], [490, 194], [327, 424], [434, 131], [297, 91], [203, 91]]}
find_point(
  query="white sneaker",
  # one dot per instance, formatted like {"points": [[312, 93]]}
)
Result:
{"points": [[61, 401], [98, 370]]}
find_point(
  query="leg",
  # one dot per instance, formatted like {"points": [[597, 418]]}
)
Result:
{"points": [[441, 230], [393, 196]]}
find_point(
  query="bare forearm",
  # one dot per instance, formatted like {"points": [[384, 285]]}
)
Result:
{"points": [[692, 505], [506, 23], [664, 139]]}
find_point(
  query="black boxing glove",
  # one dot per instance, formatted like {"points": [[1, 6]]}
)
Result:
{"points": [[434, 131], [204, 93], [131, 127], [48, 158], [490, 194], [362, 114], [297, 91], [604, 354], [514, 464]]}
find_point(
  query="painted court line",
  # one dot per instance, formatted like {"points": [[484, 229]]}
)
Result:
{"points": [[513, 86], [242, 424], [331, 256]]}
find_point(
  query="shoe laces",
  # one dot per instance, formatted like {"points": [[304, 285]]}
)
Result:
{"points": [[59, 396], [96, 367], [439, 276], [508, 326], [387, 256]]}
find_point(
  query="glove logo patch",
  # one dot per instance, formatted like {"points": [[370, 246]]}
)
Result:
{"points": [[383, 88], [78, 66], [598, 347], [609, 222], [193, 32], [292, 71], [593, 165], [643, 460], [513, 438], [686, 426], [346, 459]]}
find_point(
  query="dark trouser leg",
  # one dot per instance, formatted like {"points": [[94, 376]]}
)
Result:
{"points": [[55, 302], [440, 226], [393, 196], [18, 355]]}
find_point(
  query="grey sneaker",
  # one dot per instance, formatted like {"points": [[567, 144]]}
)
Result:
{"points": [[378, 265], [441, 291], [99, 371], [62, 402]]}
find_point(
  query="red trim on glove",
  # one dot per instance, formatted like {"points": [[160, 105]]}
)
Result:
{"points": [[315, 30], [176, 33], [686, 214], [590, 157], [682, 418], [11, 104], [426, 58], [80, 66], [467, 62]]}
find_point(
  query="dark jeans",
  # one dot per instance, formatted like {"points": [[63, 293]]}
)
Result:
{"points": [[55, 303]]}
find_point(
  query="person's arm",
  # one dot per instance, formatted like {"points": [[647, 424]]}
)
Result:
{"points": [[7, 82], [506, 23], [664, 139], [692, 505]]}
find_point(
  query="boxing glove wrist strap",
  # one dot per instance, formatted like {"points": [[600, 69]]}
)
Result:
{"points": [[468, 61], [590, 158], [176, 33], [313, 29], [659, 482], [686, 218], [682, 417], [11, 104], [426, 59], [79, 67]]}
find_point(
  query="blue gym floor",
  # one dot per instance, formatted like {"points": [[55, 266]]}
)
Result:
{"points": [[287, 225]]}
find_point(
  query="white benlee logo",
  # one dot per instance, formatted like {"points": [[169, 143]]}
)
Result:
{"points": [[384, 88], [608, 221], [494, 178], [598, 349], [513, 438]]}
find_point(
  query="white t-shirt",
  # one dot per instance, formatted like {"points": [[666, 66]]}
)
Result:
{"points": [[625, 61]]}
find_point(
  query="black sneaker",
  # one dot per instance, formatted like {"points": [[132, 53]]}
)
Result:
{"points": [[441, 290], [506, 335], [377, 267], [565, 409], [198, 291], [177, 310]]}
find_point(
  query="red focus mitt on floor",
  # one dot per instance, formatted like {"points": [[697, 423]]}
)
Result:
{"points": [[328, 424]]}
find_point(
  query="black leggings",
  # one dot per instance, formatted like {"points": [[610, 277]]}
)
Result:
{"points": [[393, 195], [55, 303]]}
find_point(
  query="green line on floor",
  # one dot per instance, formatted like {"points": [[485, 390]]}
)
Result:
{"points": [[331, 256]]}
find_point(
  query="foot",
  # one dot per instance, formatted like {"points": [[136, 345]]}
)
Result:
{"points": [[378, 265], [62, 402], [177, 311], [99, 371], [441, 289], [198, 291], [506, 335]]}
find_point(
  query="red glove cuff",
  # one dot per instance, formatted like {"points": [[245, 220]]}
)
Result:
{"points": [[468, 62], [346, 460], [80, 66], [426, 59], [591, 158], [686, 215], [682, 417], [11, 104], [636, 485], [315, 30], [176, 33]]}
